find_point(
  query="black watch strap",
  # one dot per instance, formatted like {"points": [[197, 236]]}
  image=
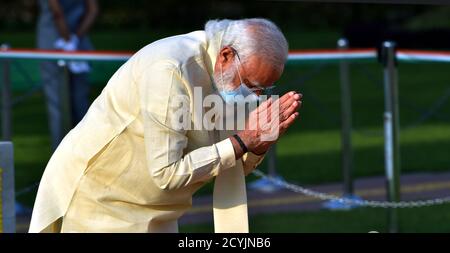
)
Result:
{"points": [[241, 143]]}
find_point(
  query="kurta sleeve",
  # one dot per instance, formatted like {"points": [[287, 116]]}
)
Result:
{"points": [[163, 92], [251, 161]]}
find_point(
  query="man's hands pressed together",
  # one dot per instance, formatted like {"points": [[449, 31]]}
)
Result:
{"points": [[260, 124]]}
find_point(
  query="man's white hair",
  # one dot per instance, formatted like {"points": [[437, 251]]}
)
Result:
{"points": [[255, 36]]}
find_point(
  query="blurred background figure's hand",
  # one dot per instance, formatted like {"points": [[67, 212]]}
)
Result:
{"points": [[75, 67], [67, 45], [78, 67]]}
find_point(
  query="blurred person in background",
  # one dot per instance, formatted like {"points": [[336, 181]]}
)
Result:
{"points": [[63, 25]]}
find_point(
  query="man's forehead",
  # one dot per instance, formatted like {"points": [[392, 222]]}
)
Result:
{"points": [[262, 73]]}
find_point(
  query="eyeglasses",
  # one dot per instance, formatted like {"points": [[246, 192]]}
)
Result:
{"points": [[254, 87], [264, 90]]}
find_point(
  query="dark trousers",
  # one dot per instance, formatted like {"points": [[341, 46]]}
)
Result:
{"points": [[53, 79]]}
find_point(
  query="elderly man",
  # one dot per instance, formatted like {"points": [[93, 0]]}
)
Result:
{"points": [[127, 166]]}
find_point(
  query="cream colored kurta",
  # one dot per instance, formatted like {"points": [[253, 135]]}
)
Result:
{"points": [[124, 168]]}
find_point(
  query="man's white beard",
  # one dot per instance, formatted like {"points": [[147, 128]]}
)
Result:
{"points": [[224, 81]]}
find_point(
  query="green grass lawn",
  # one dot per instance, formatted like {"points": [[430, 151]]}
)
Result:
{"points": [[309, 153]]}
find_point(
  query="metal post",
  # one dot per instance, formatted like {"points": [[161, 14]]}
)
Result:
{"points": [[66, 109], [272, 152], [391, 130], [7, 195], [346, 121], [272, 155], [272, 161], [6, 101]]}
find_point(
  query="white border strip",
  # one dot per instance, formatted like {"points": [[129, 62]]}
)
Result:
{"points": [[293, 56], [419, 56], [64, 56], [331, 56], [93, 56]]}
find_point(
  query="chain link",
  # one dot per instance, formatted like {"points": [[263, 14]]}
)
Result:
{"points": [[366, 203]]}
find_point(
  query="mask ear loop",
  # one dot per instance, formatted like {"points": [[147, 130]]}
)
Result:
{"points": [[239, 74], [221, 75], [237, 67]]}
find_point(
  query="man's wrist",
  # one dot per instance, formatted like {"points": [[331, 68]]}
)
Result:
{"points": [[241, 143], [237, 148]]}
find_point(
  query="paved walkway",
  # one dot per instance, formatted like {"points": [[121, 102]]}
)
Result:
{"points": [[414, 186]]}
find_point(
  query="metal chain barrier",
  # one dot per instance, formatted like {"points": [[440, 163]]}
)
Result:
{"points": [[363, 203]]}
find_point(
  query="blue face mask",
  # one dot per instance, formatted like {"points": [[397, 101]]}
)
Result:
{"points": [[239, 95]]}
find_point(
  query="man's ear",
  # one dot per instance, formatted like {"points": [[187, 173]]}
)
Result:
{"points": [[226, 56]]}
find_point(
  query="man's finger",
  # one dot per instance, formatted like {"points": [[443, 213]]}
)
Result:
{"points": [[265, 105], [285, 105], [294, 106], [284, 101], [277, 119], [280, 127], [288, 122]]}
